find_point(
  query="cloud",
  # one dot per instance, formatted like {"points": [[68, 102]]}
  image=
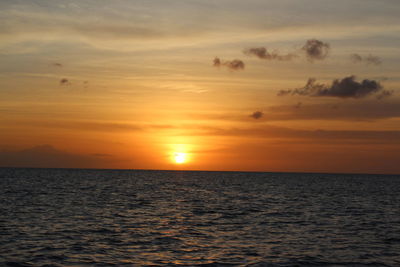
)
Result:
{"points": [[64, 81], [96, 126], [313, 48], [262, 53], [316, 49], [46, 156], [357, 110], [235, 64], [102, 28], [56, 64], [30, 23], [217, 62], [321, 136], [370, 59], [364, 110], [257, 115], [384, 94], [344, 88]]}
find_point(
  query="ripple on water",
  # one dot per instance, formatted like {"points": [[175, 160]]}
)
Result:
{"points": [[113, 218]]}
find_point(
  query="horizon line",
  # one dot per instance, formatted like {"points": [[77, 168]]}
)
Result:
{"points": [[177, 170]]}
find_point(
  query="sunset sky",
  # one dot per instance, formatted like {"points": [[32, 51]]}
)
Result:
{"points": [[255, 85]]}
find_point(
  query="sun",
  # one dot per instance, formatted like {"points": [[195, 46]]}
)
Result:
{"points": [[179, 153], [179, 157]]}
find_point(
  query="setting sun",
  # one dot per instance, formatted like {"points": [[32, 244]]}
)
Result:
{"points": [[179, 157]]}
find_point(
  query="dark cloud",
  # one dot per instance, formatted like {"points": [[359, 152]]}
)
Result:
{"points": [[235, 64], [316, 49], [56, 64], [370, 59], [347, 87], [257, 115], [64, 81], [262, 53], [45, 156]]}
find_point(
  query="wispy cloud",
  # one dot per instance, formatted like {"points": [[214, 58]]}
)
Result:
{"points": [[369, 60], [356, 110], [46, 156], [96, 126], [314, 50], [262, 53], [317, 136], [347, 87], [140, 21], [365, 110]]}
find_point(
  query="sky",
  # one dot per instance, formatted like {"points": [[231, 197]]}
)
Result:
{"points": [[255, 85]]}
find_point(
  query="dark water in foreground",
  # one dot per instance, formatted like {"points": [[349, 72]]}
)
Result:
{"points": [[98, 217]]}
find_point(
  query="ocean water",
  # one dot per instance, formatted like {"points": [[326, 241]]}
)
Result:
{"points": [[60, 217]]}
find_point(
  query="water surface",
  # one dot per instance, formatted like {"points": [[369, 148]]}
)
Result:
{"points": [[110, 217]]}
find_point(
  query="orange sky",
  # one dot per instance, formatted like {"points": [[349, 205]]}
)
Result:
{"points": [[90, 84]]}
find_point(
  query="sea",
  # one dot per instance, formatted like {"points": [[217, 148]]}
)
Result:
{"points": [[79, 217]]}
